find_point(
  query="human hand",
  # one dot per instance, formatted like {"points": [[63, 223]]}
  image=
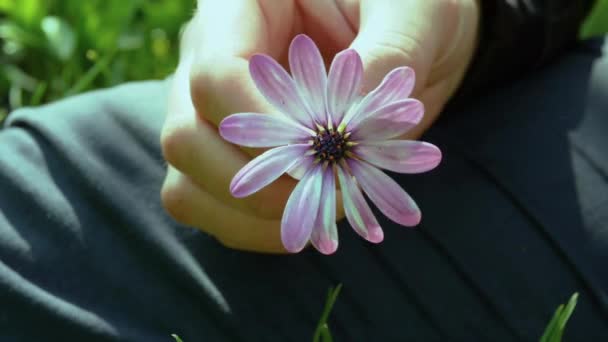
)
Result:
{"points": [[436, 38]]}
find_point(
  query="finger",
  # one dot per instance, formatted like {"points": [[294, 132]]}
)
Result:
{"points": [[191, 206], [435, 98], [461, 28], [331, 24], [422, 35], [194, 147], [231, 32], [179, 102], [398, 33]]}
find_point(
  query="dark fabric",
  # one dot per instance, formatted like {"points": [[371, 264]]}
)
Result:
{"points": [[517, 36], [515, 221]]}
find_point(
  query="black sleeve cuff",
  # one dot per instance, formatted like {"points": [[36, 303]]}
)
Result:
{"points": [[519, 36]]}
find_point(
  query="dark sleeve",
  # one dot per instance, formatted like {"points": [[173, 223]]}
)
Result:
{"points": [[517, 36]]}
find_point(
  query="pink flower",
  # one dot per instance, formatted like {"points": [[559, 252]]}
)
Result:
{"points": [[327, 129]]}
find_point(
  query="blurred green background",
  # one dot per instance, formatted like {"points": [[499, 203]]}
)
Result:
{"points": [[54, 48]]}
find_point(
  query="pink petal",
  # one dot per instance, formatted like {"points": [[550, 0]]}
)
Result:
{"points": [[308, 70], [301, 211], [262, 130], [404, 156], [396, 85], [358, 212], [344, 83], [390, 121], [325, 232], [386, 194], [278, 88], [266, 168]]}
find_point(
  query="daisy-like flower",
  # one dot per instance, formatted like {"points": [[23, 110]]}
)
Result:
{"points": [[327, 132]]}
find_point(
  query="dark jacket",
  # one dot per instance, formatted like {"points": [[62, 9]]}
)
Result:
{"points": [[517, 36]]}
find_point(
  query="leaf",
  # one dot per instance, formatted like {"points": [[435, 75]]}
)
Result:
{"points": [[555, 329], [18, 77], [3, 114], [326, 334], [60, 36], [565, 316], [38, 93], [25, 12], [101, 22], [13, 32], [167, 15], [177, 339], [596, 23], [15, 96], [91, 74], [322, 327], [549, 330], [131, 41]]}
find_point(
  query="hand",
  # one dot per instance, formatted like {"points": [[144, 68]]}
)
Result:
{"points": [[434, 37]]}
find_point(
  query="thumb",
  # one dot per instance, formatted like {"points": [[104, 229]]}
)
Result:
{"points": [[425, 35], [397, 33], [219, 77]]}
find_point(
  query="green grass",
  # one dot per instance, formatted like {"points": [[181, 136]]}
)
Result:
{"points": [[597, 22], [322, 332], [54, 48], [555, 329], [553, 332]]}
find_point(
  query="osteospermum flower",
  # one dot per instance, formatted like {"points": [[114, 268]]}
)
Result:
{"points": [[326, 129]]}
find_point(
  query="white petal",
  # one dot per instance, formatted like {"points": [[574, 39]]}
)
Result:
{"points": [[279, 89], [344, 83], [403, 156], [265, 169], [308, 70], [386, 194], [358, 212], [301, 211], [325, 232]]}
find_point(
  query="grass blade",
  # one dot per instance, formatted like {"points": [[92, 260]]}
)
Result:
{"points": [[565, 316], [177, 339], [38, 93], [549, 330], [555, 329], [91, 74], [326, 334], [329, 304]]}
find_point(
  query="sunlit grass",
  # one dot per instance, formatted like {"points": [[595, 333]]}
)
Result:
{"points": [[50, 49]]}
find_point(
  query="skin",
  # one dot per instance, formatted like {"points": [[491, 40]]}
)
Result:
{"points": [[437, 38]]}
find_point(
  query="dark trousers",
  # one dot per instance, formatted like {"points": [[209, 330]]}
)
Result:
{"points": [[515, 221]]}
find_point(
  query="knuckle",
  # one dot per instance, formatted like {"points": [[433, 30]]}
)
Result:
{"points": [[400, 47], [174, 137], [174, 201], [206, 79]]}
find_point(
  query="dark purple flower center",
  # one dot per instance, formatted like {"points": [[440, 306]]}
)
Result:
{"points": [[330, 145]]}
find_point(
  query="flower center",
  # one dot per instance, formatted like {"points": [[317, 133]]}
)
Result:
{"points": [[330, 145]]}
